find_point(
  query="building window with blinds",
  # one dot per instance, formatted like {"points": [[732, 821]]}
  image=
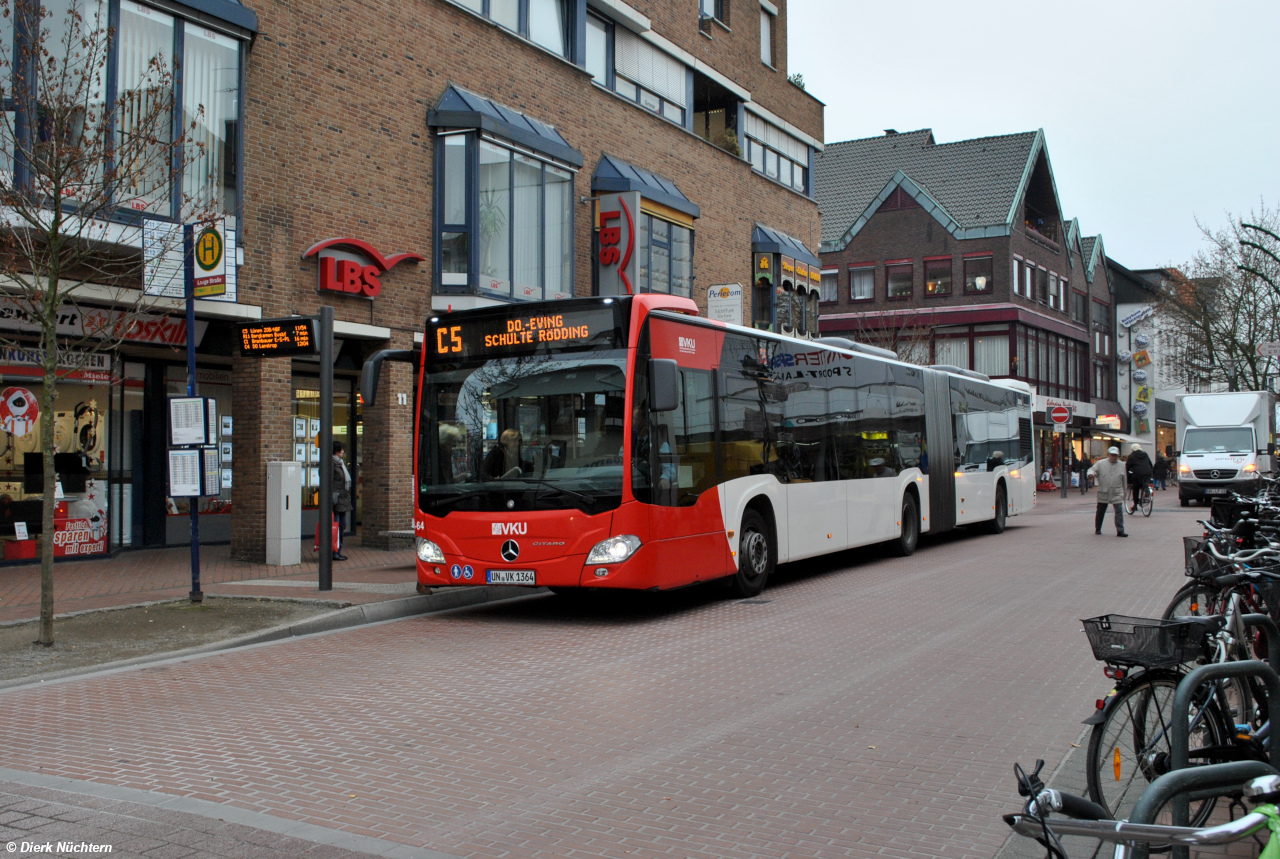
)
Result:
{"points": [[650, 78], [862, 283], [830, 286], [546, 22], [777, 154]]}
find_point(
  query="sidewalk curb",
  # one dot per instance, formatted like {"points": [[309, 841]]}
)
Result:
{"points": [[344, 618]]}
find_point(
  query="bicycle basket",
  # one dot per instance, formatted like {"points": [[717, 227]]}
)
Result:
{"points": [[1149, 642]]}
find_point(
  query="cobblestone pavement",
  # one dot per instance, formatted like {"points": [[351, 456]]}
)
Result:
{"points": [[148, 575], [864, 706]]}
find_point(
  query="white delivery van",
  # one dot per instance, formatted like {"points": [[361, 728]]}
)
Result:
{"points": [[1225, 441]]}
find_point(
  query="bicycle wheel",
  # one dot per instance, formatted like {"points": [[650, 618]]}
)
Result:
{"points": [[1130, 748], [1129, 506], [1145, 501], [1194, 599]]}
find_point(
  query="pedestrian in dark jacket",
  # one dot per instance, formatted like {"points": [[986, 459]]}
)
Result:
{"points": [[341, 497], [1139, 469], [1160, 471], [1085, 464]]}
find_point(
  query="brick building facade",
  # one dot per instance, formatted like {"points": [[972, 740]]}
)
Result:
{"points": [[472, 135], [960, 254]]}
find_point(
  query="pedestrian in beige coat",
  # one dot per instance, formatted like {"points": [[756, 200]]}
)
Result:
{"points": [[1110, 476]]}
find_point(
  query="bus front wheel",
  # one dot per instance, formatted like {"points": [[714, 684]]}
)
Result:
{"points": [[910, 536], [1001, 510], [756, 556]]}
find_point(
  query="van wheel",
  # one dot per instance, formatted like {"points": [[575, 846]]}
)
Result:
{"points": [[996, 525], [910, 536], [1185, 502], [756, 556]]}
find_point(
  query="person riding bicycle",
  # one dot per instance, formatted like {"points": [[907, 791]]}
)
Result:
{"points": [[1139, 469]]}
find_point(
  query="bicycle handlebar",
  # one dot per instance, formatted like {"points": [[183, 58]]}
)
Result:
{"points": [[1143, 833]]}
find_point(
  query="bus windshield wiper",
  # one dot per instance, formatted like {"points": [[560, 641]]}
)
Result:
{"points": [[581, 497]]}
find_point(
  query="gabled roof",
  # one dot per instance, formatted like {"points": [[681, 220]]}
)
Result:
{"points": [[460, 108], [766, 240], [615, 175], [971, 186], [1073, 240], [1092, 252]]}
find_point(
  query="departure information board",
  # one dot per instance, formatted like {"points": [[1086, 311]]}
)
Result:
{"points": [[293, 336], [511, 332]]}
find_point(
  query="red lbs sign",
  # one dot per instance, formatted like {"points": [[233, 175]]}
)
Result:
{"points": [[352, 266], [616, 230]]}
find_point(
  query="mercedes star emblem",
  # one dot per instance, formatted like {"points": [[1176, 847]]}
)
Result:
{"points": [[511, 505], [510, 550], [1214, 474]]}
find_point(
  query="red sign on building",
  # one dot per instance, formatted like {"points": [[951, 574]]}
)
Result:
{"points": [[352, 266]]}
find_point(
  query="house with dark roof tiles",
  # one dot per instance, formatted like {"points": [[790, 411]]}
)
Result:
{"points": [[959, 253]]}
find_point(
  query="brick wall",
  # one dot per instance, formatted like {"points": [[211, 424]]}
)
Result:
{"points": [[336, 144]]}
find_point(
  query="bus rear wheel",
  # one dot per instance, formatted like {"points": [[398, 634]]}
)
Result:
{"points": [[756, 556], [910, 536]]}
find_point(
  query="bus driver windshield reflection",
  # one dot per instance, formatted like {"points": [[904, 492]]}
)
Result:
{"points": [[524, 433]]}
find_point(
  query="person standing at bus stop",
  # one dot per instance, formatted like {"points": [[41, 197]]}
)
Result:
{"points": [[1111, 480], [341, 497]]}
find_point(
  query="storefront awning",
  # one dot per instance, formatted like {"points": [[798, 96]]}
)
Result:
{"points": [[765, 240], [459, 108], [615, 176]]}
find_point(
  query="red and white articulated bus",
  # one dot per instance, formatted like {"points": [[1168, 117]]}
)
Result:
{"points": [[629, 443]]}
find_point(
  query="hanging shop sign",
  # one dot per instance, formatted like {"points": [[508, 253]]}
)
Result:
{"points": [[352, 266], [616, 260], [1143, 394], [724, 303], [1124, 356], [1142, 341], [1136, 316], [1139, 408], [1140, 376], [1141, 358]]}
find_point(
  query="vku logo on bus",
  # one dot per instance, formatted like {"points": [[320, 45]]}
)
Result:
{"points": [[505, 528], [688, 345]]}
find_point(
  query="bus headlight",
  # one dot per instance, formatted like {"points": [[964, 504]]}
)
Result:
{"points": [[429, 552], [615, 550]]}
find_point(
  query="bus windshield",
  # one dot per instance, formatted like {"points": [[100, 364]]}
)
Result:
{"points": [[1218, 440], [532, 432]]}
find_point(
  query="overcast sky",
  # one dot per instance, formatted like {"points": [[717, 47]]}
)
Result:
{"points": [[1155, 114]]}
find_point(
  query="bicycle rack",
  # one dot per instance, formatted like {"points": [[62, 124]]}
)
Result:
{"points": [[1272, 633], [1179, 733], [1212, 779]]}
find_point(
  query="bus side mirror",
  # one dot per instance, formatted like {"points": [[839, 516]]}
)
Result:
{"points": [[664, 384]]}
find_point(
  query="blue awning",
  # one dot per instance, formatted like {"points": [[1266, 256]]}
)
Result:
{"points": [[769, 241], [613, 175], [459, 108]]}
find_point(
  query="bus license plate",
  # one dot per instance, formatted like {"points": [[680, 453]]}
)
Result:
{"points": [[509, 577]]}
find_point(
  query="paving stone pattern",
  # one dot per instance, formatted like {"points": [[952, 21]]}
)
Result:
{"points": [[865, 706], [35, 817]]}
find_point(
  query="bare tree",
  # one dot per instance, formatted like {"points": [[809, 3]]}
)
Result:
{"points": [[908, 334], [79, 177], [1225, 303]]}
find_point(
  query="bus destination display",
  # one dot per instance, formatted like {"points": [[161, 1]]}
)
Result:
{"points": [[293, 336], [505, 335]]}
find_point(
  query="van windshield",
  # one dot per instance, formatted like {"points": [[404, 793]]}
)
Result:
{"points": [[1218, 440]]}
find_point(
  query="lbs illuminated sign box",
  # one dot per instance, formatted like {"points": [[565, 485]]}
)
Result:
{"points": [[514, 334], [293, 336]]}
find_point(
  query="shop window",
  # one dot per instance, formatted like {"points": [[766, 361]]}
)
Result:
{"points": [[523, 230], [305, 430], [977, 274], [862, 283], [937, 276], [147, 48], [830, 286], [899, 278], [664, 261]]}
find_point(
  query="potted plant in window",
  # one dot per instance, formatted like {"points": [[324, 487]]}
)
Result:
{"points": [[493, 220]]}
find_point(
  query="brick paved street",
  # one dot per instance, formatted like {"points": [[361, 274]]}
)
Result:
{"points": [[864, 706]]}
